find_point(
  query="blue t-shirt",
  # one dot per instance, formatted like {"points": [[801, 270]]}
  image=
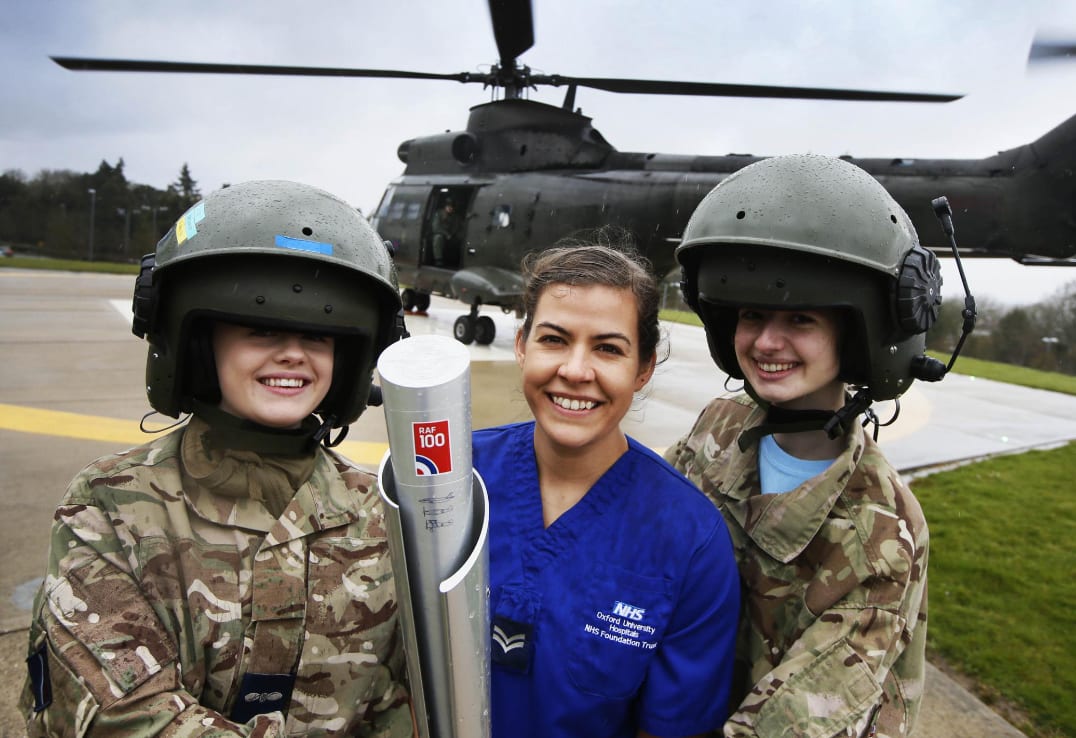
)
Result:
{"points": [[620, 616], [780, 471]]}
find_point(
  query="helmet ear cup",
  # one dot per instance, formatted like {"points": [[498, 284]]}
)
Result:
{"points": [[144, 303], [919, 298]]}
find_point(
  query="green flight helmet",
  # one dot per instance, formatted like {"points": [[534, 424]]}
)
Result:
{"points": [[270, 254], [807, 231]]}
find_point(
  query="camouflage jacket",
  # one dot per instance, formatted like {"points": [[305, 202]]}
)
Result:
{"points": [[160, 601], [834, 573]]}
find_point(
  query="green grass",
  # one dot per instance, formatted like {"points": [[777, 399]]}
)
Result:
{"points": [[1012, 374], [68, 265], [680, 316], [1002, 587]]}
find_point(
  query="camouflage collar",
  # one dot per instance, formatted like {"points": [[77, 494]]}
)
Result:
{"points": [[325, 501], [784, 524], [312, 495], [322, 502], [235, 473]]}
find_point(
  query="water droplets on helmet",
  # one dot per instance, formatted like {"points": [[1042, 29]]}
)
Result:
{"points": [[808, 231]]}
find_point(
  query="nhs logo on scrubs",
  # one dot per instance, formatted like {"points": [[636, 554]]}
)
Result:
{"points": [[631, 612]]}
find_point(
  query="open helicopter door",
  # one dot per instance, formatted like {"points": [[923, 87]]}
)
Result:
{"points": [[444, 227]]}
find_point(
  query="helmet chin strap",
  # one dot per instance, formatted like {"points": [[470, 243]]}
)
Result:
{"points": [[854, 406], [322, 434], [835, 424]]}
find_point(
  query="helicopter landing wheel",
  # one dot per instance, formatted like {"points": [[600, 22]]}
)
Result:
{"points": [[463, 329], [407, 297], [422, 301], [484, 330]]}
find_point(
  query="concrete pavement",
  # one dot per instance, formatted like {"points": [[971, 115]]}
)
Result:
{"points": [[71, 390]]}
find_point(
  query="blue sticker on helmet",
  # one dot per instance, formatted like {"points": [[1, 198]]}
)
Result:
{"points": [[187, 225], [299, 244]]}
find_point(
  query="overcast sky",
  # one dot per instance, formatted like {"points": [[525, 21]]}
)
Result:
{"points": [[342, 134]]}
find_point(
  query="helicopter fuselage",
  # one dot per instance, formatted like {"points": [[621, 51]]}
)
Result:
{"points": [[525, 175]]}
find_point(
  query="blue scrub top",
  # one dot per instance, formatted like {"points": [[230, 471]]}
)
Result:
{"points": [[620, 616]]}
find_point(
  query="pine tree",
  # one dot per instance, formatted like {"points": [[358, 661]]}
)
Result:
{"points": [[186, 188]]}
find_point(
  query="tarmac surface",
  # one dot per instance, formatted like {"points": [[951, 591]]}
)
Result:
{"points": [[71, 389]]}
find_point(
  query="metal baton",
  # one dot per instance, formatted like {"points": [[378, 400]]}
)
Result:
{"points": [[437, 514]]}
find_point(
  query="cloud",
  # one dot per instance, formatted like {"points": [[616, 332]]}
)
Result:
{"points": [[342, 134]]}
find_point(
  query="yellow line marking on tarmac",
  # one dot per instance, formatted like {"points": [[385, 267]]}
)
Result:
{"points": [[97, 428], [69, 425], [364, 452], [30, 272]]}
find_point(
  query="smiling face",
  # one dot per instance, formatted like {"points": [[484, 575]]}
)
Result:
{"points": [[273, 378], [581, 368], [791, 358]]}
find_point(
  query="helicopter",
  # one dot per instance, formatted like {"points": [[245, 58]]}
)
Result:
{"points": [[523, 174]]}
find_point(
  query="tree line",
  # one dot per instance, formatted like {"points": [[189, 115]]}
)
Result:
{"points": [[98, 216], [1040, 336]]}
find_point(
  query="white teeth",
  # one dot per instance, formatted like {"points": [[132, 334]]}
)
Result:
{"points": [[282, 382], [567, 404], [774, 367]]}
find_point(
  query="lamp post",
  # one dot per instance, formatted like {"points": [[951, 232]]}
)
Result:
{"points": [[1053, 346], [93, 207], [126, 213], [154, 209], [158, 209]]}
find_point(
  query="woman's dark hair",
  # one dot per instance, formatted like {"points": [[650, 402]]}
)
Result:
{"points": [[607, 258]]}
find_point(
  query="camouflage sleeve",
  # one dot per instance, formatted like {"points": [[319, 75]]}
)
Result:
{"points": [[110, 664], [390, 714], [857, 669], [829, 683]]}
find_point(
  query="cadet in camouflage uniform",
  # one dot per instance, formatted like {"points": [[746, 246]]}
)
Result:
{"points": [[232, 577], [810, 282]]}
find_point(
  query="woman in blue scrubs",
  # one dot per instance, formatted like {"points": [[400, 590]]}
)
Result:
{"points": [[614, 590]]}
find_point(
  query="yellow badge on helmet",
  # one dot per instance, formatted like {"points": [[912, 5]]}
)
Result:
{"points": [[187, 225]]}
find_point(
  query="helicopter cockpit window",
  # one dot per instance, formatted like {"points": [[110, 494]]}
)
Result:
{"points": [[413, 210], [386, 202], [502, 216], [397, 211]]}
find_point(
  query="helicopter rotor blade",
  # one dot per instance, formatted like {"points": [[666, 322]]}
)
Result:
{"points": [[513, 28], [81, 64], [632, 86], [1050, 50], [718, 89]]}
